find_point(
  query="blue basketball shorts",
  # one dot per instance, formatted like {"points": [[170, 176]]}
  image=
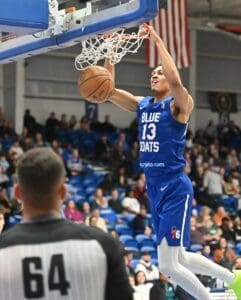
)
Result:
{"points": [[171, 207]]}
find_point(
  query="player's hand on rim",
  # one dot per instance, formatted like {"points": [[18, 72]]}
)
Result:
{"points": [[152, 33]]}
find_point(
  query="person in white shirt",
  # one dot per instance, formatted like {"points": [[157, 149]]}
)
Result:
{"points": [[147, 267]]}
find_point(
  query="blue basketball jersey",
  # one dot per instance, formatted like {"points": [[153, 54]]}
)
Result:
{"points": [[162, 139]]}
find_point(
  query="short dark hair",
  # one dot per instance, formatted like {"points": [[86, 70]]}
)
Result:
{"points": [[39, 170]]}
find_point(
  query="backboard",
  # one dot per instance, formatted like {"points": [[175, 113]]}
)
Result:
{"points": [[24, 16], [72, 21]]}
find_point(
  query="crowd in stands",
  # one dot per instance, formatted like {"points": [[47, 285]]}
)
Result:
{"points": [[106, 188]]}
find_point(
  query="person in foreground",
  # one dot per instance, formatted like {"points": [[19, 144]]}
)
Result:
{"points": [[47, 257], [162, 125]]}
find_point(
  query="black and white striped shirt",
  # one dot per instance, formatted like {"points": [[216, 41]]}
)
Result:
{"points": [[60, 260]]}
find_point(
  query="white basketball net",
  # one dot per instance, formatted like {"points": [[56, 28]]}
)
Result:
{"points": [[112, 46]]}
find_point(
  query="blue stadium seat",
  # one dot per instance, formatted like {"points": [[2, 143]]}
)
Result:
{"points": [[134, 250], [124, 238], [151, 250], [133, 263], [123, 229], [237, 248], [196, 247], [229, 203], [128, 218], [148, 242], [141, 237], [154, 261], [90, 190], [131, 243]]}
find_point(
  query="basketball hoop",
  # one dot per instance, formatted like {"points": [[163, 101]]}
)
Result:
{"points": [[112, 46]]}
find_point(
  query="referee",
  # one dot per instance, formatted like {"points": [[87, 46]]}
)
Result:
{"points": [[47, 257]]}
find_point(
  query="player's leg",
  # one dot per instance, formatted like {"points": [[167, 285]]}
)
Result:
{"points": [[199, 264], [168, 259]]}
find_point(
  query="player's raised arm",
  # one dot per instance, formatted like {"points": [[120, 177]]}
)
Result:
{"points": [[181, 96], [119, 97]]}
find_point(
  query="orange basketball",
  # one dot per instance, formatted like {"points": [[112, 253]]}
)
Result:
{"points": [[95, 84]]}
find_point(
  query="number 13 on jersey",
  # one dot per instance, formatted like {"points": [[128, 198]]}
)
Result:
{"points": [[148, 136]]}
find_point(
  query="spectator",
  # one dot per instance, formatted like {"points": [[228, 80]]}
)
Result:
{"points": [[74, 163], [130, 203], [2, 220], [115, 202], [103, 149], [237, 228], [56, 147], [16, 150], [96, 219], [39, 140], [206, 251], [213, 183], [134, 151], [107, 126], [51, 126], [141, 221], [72, 212], [197, 177], [232, 159], [119, 156], [29, 121], [224, 255], [197, 234], [84, 124], [4, 165], [162, 289], [107, 213], [237, 263], [86, 210], [230, 187], [211, 231], [27, 143], [99, 194], [219, 215], [95, 125], [147, 267], [228, 230], [63, 123], [5, 203], [140, 192], [120, 178], [142, 287], [107, 183], [211, 131], [73, 123], [129, 269]]}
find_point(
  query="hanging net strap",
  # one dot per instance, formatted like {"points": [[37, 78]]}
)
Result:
{"points": [[112, 46]]}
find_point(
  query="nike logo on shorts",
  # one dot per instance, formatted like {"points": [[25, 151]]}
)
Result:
{"points": [[163, 188]]}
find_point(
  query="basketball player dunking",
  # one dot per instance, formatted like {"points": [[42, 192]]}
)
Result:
{"points": [[163, 120], [47, 257]]}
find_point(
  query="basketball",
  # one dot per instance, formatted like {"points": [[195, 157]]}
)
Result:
{"points": [[95, 84]]}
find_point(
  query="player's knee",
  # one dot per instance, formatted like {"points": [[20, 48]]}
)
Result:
{"points": [[184, 259]]}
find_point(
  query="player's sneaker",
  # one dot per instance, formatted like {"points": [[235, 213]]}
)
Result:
{"points": [[236, 284]]}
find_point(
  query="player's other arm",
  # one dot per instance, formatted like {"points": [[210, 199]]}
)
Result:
{"points": [[120, 97], [182, 99]]}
